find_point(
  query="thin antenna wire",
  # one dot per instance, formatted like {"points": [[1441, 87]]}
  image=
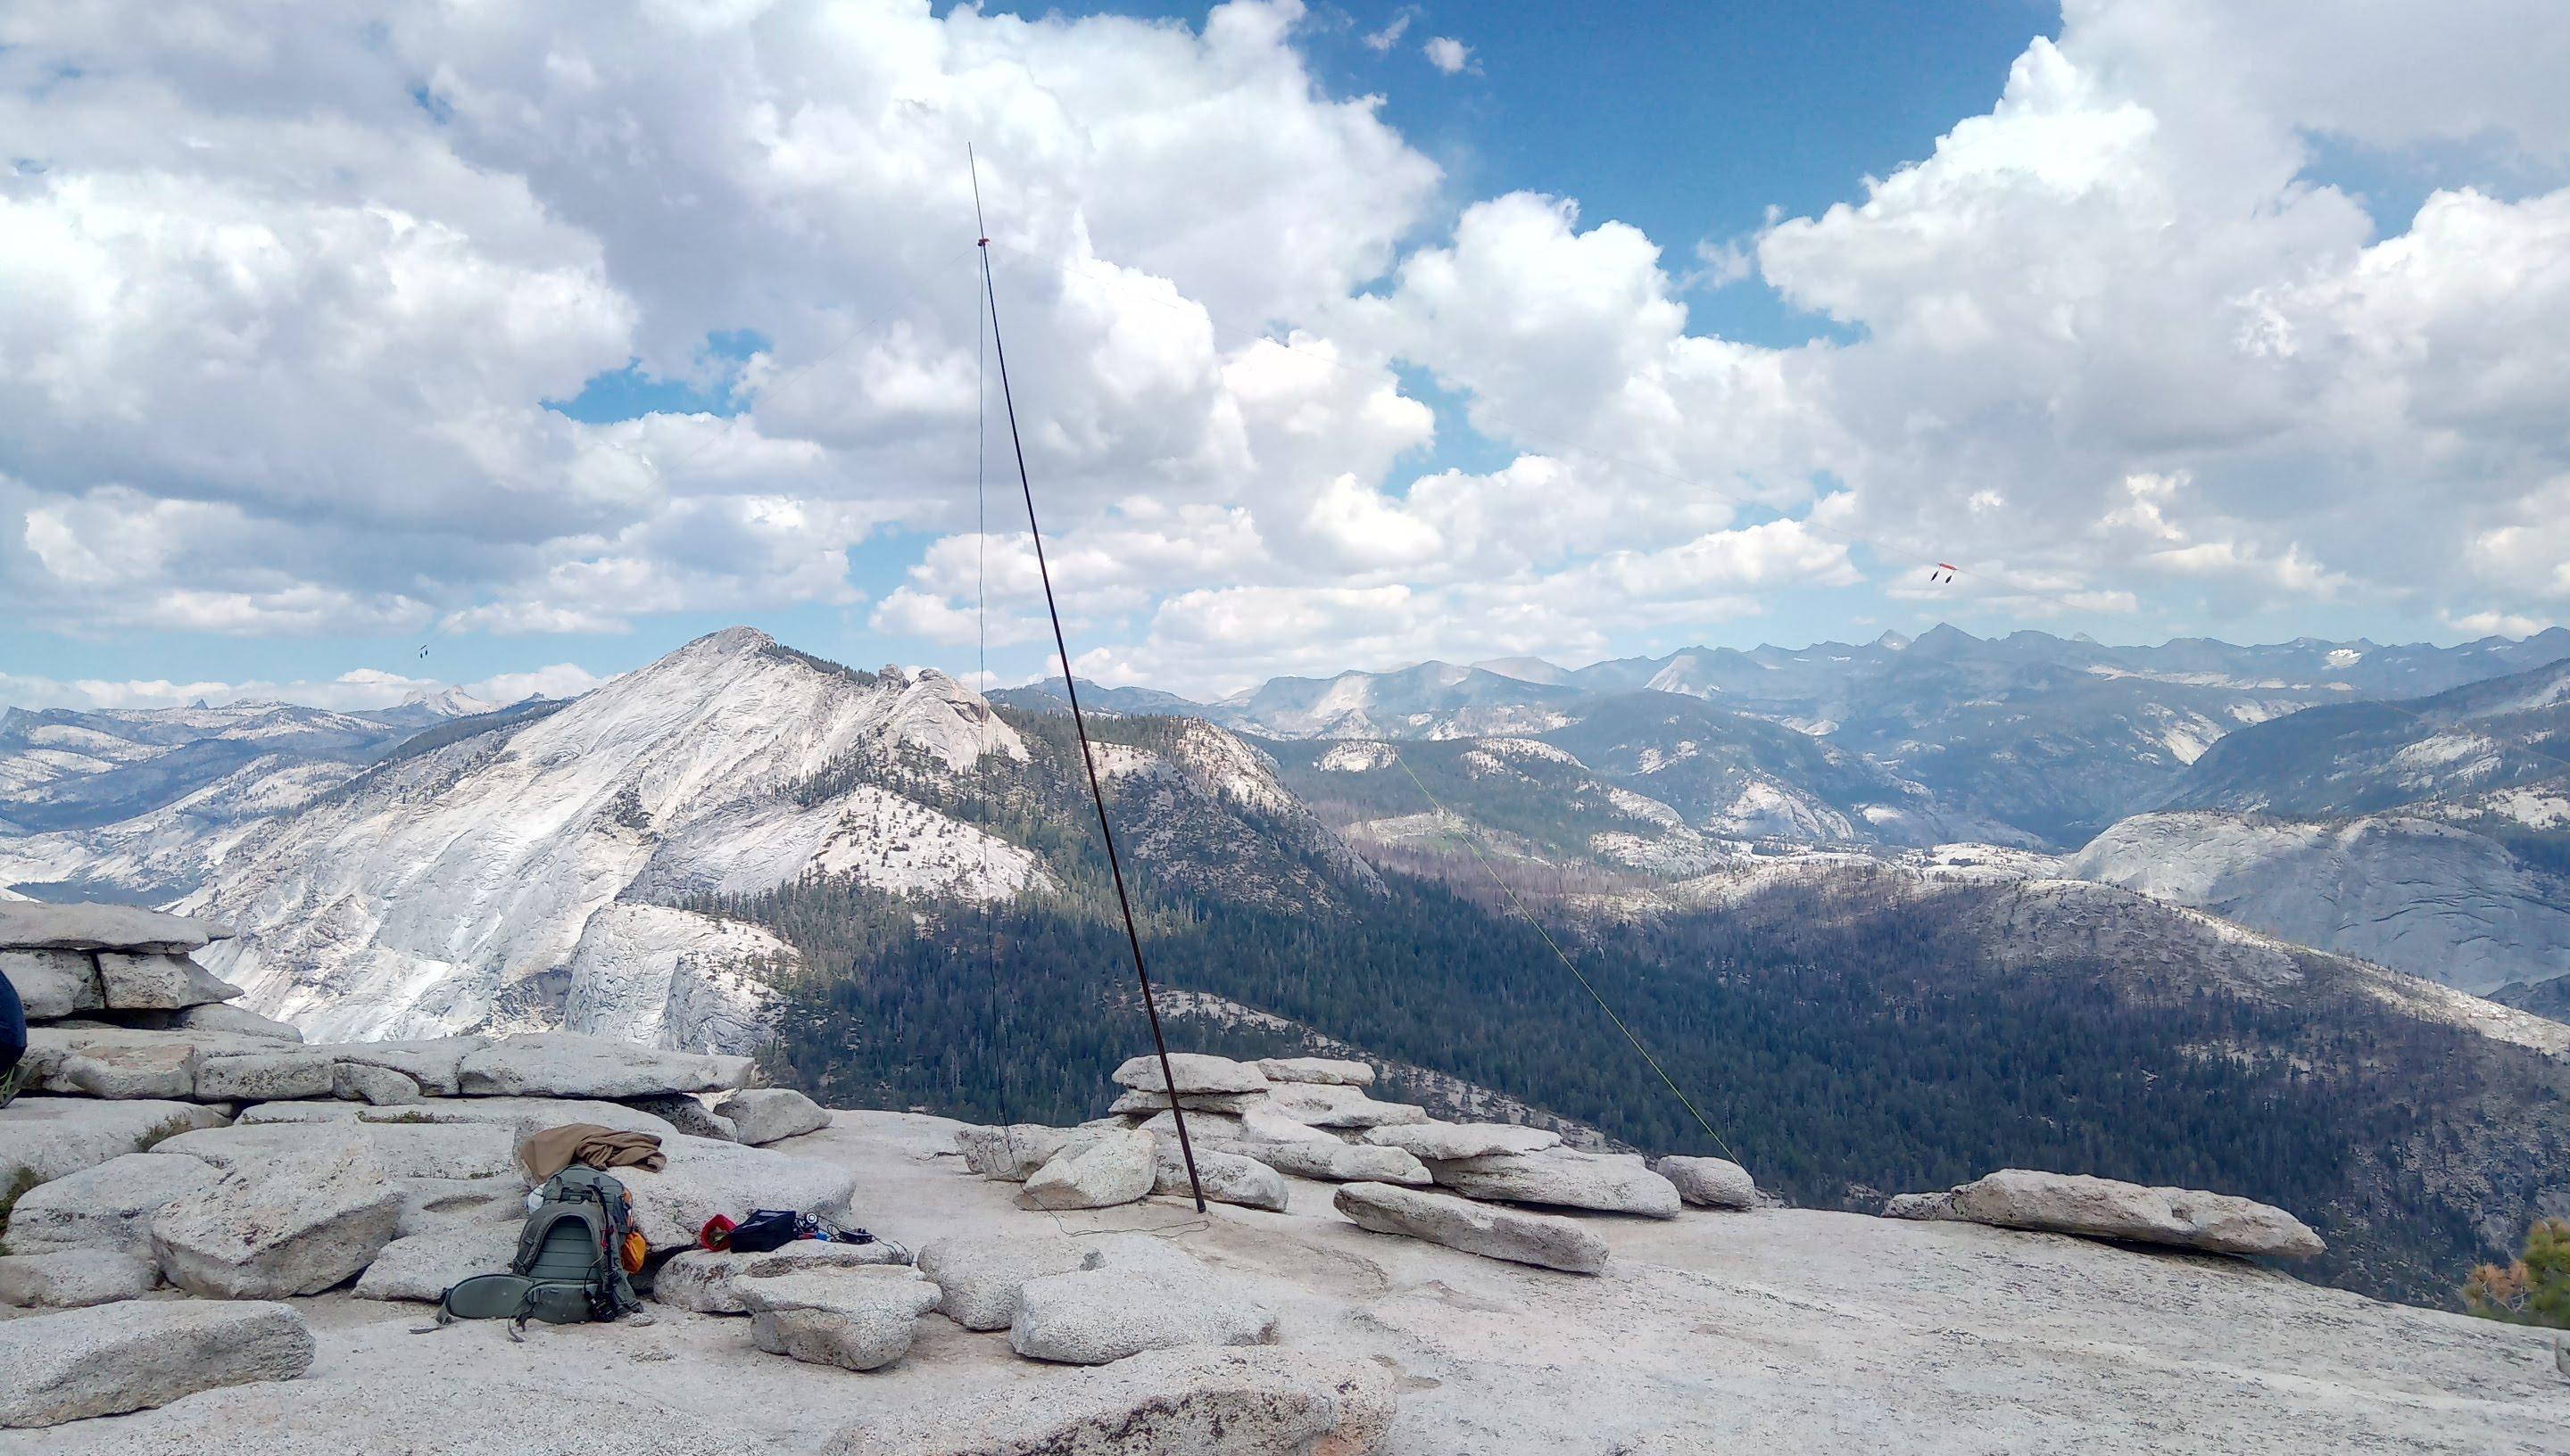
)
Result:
{"points": [[1071, 689]]}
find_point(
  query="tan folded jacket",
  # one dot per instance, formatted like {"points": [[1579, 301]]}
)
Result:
{"points": [[557, 1148]]}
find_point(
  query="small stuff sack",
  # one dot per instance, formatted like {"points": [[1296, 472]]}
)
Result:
{"points": [[572, 1263]]}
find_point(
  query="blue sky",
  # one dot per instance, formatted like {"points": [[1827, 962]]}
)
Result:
{"points": [[2138, 327]]}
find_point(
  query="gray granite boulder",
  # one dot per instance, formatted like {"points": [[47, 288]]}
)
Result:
{"points": [[519, 1117], [1710, 1183], [1201, 1126], [1559, 1178], [706, 1177], [1114, 1168], [1227, 1178], [1014, 1152], [980, 1276], [560, 1064], [1321, 1105], [52, 985], [425, 1265], [215, 1016], [1094, 1316], [1195, 1073], [375, 1086], [1521, 1237], [1447, 1141], [107, 1207], [281, 1075], [2102, 1208], [158, 981], [32, 925], [73, 1278], [1328, 1071], [1193, 1401], [1332, 1161], [1143, 1104], [44, 1138], [433, 1204], [435, 1064], [135, 1355], [857, 1319], [113, 1062], [706, 1282], [402, 1149], [688, 1115], [763, 1115], [293, 1222]]}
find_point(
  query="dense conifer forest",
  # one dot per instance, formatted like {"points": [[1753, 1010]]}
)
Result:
{"points": [[1845, 1041]]}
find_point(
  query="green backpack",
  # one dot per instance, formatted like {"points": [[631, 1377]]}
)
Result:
{"points": [[569, 1265]]}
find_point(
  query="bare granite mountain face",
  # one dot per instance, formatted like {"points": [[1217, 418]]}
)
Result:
{"points": [[2432, 834], [487, 884]]}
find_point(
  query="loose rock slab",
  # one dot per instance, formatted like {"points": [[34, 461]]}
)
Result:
{"points": [[1332, 1161], [1563, 1179], [709, 1284], [108, 1206], [1171, 1402], [73, 1278], [435, 1064], [857, 1319], [1195, 1073], [520, 1116], [1096, 1315], [560, 1064], [52, 985], [1328, 1071], [375, 1086], [137, 1356], [44, 1138], [37, 925], [763, 1115], [1227, 1178], [2102, 1208], [1118, 1168], [228, 1020], [113, 1062], [405, 1149], [981, 1278], [296, 1223], [425, 1265], [1521, 1237], [1013, 1153], [1317, 1105], [1451, 1141], [1140, 1103], [1710, 1183], [158, 981], [271, 1076]]}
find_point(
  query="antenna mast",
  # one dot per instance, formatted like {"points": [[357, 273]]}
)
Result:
{"points": [[1078, 723]]}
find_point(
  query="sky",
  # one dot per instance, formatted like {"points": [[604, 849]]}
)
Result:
{"points": [[348, 349]]}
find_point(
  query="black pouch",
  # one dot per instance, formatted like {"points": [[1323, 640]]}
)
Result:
{"points": [[766, 1229]]}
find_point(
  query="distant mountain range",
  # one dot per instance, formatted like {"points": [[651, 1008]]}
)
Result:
{"points": [[2053, 737], [140, 803], [892, 889]]}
